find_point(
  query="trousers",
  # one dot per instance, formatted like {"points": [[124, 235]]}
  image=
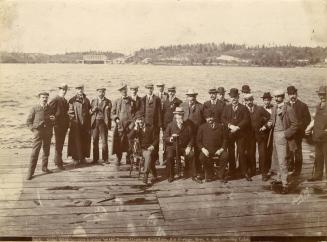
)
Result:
{"points": [[60, 135], [100, 130], [320, 159], [280, 150]]}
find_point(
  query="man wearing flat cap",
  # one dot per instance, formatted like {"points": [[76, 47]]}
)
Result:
{"points": [[283, 126], [257, 134], [122, 113], [100, 124], [319, 136], [59, 106], [136, 98], [214, 104], [161, 92], [221, 95], [304, 118], [79, 139], [237, 118], [193, 112], [40, 122]]}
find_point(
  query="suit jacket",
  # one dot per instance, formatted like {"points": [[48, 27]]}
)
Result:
{"points": [[79, 111], [193, 114], [186, 134], [163, 97], [302, 115], [59, 106], [217, 108], [39, 117], [290, 124], [259, 117], [168, 109], [138, 104], [146, 137], [105, 107], [320, 125], [152, 111], [124, 113], [240, 118]]}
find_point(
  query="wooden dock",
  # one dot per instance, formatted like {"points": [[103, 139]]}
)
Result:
{"points": [[97, 200]]}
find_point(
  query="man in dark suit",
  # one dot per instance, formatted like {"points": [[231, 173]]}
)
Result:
{"points": [[179, 131], [212, 141], [136, 98], [257, 135], [161, 93], [221, 95], [245, 90], [214, 104], [40, 122], [193, 112], [148, 138], [237, 118], [304, 118], [100, 124], [59, 106]]}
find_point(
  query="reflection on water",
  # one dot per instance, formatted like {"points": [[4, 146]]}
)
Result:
{"points": [[20, 83]]}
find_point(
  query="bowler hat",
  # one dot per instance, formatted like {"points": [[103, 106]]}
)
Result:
{"points": [[191, 92], [322, 90], [178, 110], [63, 86], [221, 90], [291, 90], [171, 89], [266, 95], [122, 87], [278, 92], [212, 90], [248, 96], [79, 86], [149, 85], [101, 88], [246, 89], [233, 92], [208, 113], [43, 93]]}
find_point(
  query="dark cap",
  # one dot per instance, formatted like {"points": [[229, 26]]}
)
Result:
{"points": [[246, 89], [233, 92], [266, 95], [221, 90], [101, 88], [291, 90]]}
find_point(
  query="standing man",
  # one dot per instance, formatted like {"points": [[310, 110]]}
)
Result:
{"points": [[100, 124], [40, 122], [161, 92], [320, 136], [257, 134], [79, 140], [304, 118], [237, 118], [221, 95], [59, 106], [266, 98], [245, 90], [214, 104], [152, 113], [193, 112], [122, 113], [136, 98], [283, 126], [179, 135]]}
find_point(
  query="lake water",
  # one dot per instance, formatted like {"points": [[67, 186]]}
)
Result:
{"points": [[20, 83]]}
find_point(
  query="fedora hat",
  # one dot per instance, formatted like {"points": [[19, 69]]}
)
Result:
{"points": [[63, 86], [291, 90], [279, 92], [212, 90], [221, 90], [246, 89], [178, 110], [322, 90], [266, 95], [191, 92], [233, 92]]}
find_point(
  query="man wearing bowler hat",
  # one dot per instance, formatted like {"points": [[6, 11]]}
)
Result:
{"points": [[319, 136], [122, 113], [221, 95], [237, 118], [79, 139], [304, 118], [100, 124], [245, 90], [214, 104], [59, 106], [266, 98], [40, 122]]}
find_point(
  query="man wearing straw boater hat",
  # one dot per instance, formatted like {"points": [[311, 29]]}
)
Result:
{"points": [[319, 136], [237, 118], [59, 106], [100, 124], [304, 118], [79, 139], [122, 113], [214, 104], [193, 112], [179, 138], [40, 122]]}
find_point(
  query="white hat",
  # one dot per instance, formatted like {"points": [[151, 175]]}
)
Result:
{"points": [[191, 92], [248, 96], [278, 92]]}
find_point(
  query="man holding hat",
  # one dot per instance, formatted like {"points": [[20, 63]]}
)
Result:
{"points": [[319, 136], [283, 125], [40, 122], [179, 131], [258, 133], [304, 118], [214, 104], [100, 124], [221, 95], [79, 139], [148, 138], [59, 106], [122, 113], [237, 118], [212, 141]]}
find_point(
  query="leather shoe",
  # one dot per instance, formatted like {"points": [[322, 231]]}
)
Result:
{"points": [[284, 190], [46, 170], [248, 178], [29, 177], [61, 167], [265, 178], [145, 178], [197, 180], [276, 182], [170, 179], [312, 179]]}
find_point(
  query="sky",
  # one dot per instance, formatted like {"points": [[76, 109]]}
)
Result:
{"points": [[58, 26]]}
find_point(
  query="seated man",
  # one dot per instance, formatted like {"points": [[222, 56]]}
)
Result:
{"points": [[212, 141], [182, 132], [148, 139]]}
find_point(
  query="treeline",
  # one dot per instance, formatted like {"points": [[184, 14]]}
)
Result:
{"points": [[69, 57], [215, 54]]}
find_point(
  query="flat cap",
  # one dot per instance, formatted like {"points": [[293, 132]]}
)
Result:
{"points": [[171, 89], [101, 88], [134, 87], [279, 92], [122, 87], [149, 85], [79, 86], [43, 93], [63, 86], [178, 110]]}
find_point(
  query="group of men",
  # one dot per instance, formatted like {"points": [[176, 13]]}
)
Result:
{"points": [[217, 138]]}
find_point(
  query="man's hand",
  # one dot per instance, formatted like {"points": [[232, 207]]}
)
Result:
{"points": [[116, 120], [151, 148], [234, 128], [52, 118], [205, 152], [269, 124], [263, 128], [187, 150], [220, 151]]}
